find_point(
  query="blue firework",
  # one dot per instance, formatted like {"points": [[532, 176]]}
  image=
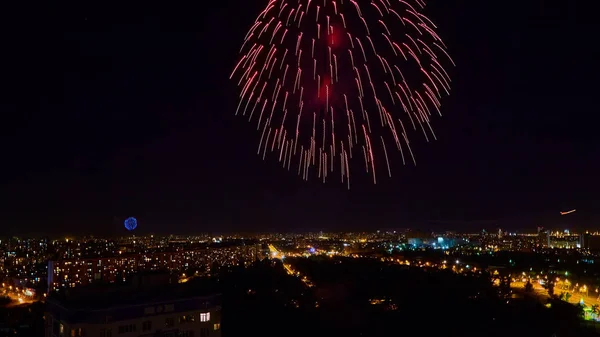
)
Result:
{"points": [[130, 223]]}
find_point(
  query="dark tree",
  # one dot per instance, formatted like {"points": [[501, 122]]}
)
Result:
{"points": [[528, 287]]}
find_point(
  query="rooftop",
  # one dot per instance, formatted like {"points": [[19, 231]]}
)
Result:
{"points": [[108, 296]]}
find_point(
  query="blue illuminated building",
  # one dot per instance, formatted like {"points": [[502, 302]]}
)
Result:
{"points": [[437, 243]]}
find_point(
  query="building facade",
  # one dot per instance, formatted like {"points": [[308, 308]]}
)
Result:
{"points": [[198, 316]]}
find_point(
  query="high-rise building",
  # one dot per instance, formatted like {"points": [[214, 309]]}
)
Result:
{"points": [[175, 310], [543, 238], [590, 241]]}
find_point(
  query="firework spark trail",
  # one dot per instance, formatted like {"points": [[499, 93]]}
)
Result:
{"points": [[322, 78]]}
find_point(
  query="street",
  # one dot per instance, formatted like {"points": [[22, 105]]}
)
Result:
{"points": [[575, 297]]}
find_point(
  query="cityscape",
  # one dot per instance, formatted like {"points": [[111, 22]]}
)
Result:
{"points": [[300, 168], [89, 286]]}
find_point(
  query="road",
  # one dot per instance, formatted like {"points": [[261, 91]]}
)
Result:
{"points": [[276, 254], [17, 297], [575, 298]]}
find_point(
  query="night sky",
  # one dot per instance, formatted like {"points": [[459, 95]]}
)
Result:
{"points": [[115, 111]]}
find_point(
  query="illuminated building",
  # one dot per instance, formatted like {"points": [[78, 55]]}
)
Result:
{"points": [[564, 240], [543, 237], [171, 310], [419, 239]]}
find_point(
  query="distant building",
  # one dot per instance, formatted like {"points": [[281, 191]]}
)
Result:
{"points": [[155, 311], [419, 239], [591, 241], [543, 238], [446, 243], [564, 240], [418, 242], [263, 251]]}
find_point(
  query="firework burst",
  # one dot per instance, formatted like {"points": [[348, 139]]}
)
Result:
{"points": [[326, 81]]}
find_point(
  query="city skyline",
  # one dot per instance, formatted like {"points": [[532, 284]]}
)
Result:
{"points": [[183, 283]]}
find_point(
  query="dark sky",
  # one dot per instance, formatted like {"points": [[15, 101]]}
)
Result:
{"points": [[116, 111]]}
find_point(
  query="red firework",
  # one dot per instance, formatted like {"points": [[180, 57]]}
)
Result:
{"points": [[323, 79]]}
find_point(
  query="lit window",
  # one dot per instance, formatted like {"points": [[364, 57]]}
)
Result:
{"points": [[205, 317], [186, 318], [217, 326]]}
